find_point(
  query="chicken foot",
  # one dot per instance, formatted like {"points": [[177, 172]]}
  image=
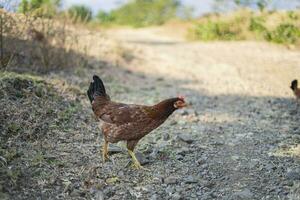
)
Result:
{"points": [[136, 163]]}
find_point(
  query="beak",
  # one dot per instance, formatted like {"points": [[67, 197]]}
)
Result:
{"points": [[184, 105]]}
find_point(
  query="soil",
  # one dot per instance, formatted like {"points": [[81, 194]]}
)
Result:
{"points": [[238, 139]]}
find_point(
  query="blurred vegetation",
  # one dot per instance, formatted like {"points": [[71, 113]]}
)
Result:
{"points": [[140, 13], [259, 4], [39, 44], [279, 27], [219, 30], [45, 8], [80, 13]]}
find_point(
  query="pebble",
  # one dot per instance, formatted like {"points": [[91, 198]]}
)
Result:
{"points": [[114, 149], [293, 175], [154, 197], [176, 196], [154, 154], [245, 194], [186, 138], [166, 136], [171, 180], [99, 195], [183, 112], [201, 161], [172, 123], [141, 158], [190, 179], [169, 190]]}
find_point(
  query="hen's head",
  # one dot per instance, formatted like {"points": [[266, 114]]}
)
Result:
{"points": [[179, 102], [166, 107]]}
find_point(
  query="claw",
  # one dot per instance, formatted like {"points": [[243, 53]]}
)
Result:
{"points": [[139, 166], [136, 163]]}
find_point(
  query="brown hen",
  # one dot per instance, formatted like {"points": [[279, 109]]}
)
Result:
{"points": [[128, 122]]}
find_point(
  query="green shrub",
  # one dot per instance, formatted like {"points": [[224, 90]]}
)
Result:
{"points": [[45, 8], [215, 31], [80, 13], [249, 25], [293, 15], [104, 17], [140, 13], [284, 33], [257, 24]]}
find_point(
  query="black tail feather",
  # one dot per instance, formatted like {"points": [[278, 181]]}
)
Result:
{"points": [[294, 84], [96, 88]]}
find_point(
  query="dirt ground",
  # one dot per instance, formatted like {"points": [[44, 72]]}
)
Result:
{"points": [[239, 139]]}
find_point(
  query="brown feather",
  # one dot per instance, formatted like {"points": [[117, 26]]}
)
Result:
{"points": [[297, 93], [131, 122]]}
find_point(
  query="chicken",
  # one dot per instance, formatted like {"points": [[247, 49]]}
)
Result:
{"points": [[296, 90], [128, 122]]}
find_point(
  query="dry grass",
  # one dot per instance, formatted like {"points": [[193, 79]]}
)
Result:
{"points": [[34, 117], [38, 44]]}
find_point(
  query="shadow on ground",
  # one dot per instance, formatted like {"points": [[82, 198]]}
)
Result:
{"points": [[229, 153]]}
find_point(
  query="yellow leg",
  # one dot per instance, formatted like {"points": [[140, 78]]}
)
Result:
{"points": [[105, 151], [136, 163]]}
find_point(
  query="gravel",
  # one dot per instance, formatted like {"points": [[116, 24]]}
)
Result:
{"points": [[236, 142]]}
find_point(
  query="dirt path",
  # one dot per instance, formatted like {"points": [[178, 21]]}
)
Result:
{"points": [[239, 139], [242, 115]]}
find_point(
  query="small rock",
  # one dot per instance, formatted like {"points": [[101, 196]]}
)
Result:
{"points": [[154, 154], [186, 138], [169, 190], [121, 173], [190, 179], [201, 161], [182, 151], [217, 143], [196, 113], [158, 180], [141, 158], [183, 112], [154, 197], [179, 157], [112, 149], [172, 123], [75, 193], [244, 194], [171, 180], [293, 175], [166, 136], [134, 193], [204, 166], [289, 183], [99, 195], [176, 196], [235, 158], [208, 184]]}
